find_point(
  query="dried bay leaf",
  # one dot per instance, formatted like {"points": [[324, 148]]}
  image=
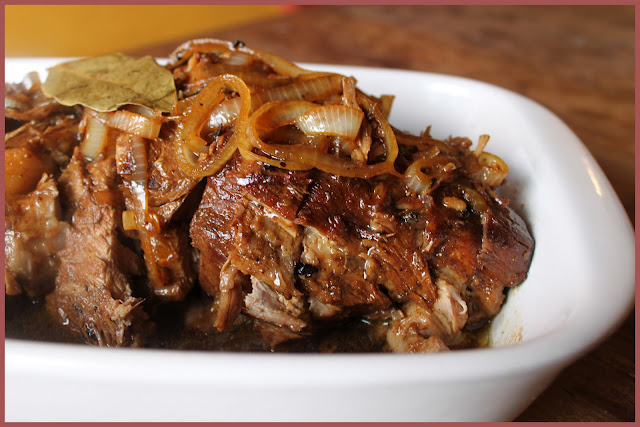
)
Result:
{"points": [[107, 82]]}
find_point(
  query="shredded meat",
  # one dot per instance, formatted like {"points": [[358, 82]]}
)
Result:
{"points": [[272, 307], [249, 213], [34, 233], [362, 250], [92, 293], [26, 102], [404, 336]]}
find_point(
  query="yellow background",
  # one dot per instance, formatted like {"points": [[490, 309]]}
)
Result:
{"points": [[95, 30]]}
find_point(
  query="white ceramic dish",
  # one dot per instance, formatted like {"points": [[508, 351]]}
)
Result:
{"points": [[580, 288]]}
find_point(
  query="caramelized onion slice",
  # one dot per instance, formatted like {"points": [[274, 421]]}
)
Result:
{"points": [[231, 51], [437, 168], [309, 88], [95, 138], [224, 113], [424, 141], [302, 156], [493, 170], [139, 175], [194, 113], [129, 220], [250, 77], [386, 101], [334, 120], [286, 114], [130, 122], [482, 142]]}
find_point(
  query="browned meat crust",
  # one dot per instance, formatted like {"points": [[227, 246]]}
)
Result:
{"points": [[359, 246]]}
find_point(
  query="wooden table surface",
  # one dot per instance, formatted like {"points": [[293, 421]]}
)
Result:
{"points": [[578, 61]]}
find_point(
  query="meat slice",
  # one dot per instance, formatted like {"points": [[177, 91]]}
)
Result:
{"points": [[25, 101], [211, 223], [92, 293], [480, 247], [167, 253], [34, 233], [507, 246], [244, 228], [55, 138], [338, 275], [168, 185], [348, 247], [266, 246], [42, 124], [219, 229], [360, 250]]}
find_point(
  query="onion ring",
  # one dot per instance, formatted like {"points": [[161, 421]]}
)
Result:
{"points": [[229, 49], [194, 114], [302, 157]]}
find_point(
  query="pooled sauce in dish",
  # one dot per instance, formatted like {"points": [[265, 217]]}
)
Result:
{"points": [[28, 320], [246, 204]]}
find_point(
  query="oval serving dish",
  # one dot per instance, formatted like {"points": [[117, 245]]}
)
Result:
{"points": [[579, 290]]}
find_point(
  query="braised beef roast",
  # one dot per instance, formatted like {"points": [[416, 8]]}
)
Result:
{"points": [[274, 209]]}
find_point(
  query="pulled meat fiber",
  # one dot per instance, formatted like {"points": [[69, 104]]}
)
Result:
{"points": [[34, 233], [92, 293]]}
